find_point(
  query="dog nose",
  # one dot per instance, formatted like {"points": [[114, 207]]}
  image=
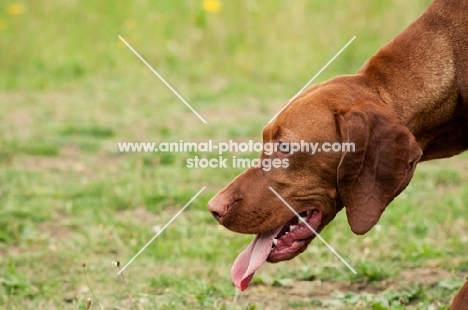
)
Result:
{"points": [[217, 208]]}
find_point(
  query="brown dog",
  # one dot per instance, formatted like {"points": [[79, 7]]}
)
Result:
{"points": [[408, 103], [460, 302]]}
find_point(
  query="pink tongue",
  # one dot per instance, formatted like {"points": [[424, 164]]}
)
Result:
{"points": [[251, 259]]}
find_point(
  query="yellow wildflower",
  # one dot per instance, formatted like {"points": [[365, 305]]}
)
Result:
{"points": [[212, 6], [15, 9]]}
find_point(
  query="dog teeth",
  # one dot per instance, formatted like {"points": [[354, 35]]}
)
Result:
{"points": [[292, 227], [275, 242], [286, 233]]}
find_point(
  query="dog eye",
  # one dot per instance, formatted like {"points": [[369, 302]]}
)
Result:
{"points": [[284, 148]]}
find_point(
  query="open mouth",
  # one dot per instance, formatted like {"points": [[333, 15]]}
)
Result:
{"points": [[294, 237], [285, 242]]}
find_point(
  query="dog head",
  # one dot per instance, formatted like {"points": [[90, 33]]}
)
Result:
{"points": [[363, 158]]}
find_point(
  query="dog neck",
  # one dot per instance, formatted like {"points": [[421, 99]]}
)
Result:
{"points": [[438, 122], [418, 77]]}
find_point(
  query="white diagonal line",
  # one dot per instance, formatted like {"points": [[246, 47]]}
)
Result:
{"points": [[313, 230], [312, 79], [160, 231], [163, 80]]}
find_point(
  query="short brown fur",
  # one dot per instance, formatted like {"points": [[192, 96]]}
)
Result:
{"points": [[408, 103]]}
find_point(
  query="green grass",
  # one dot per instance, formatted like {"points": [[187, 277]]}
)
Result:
{"points": [[70, 90]]}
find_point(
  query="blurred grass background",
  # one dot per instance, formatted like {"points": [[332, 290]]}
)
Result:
{"points": [[70, 90]]}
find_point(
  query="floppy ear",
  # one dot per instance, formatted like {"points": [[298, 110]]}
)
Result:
{"points": [[380, 168]]}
